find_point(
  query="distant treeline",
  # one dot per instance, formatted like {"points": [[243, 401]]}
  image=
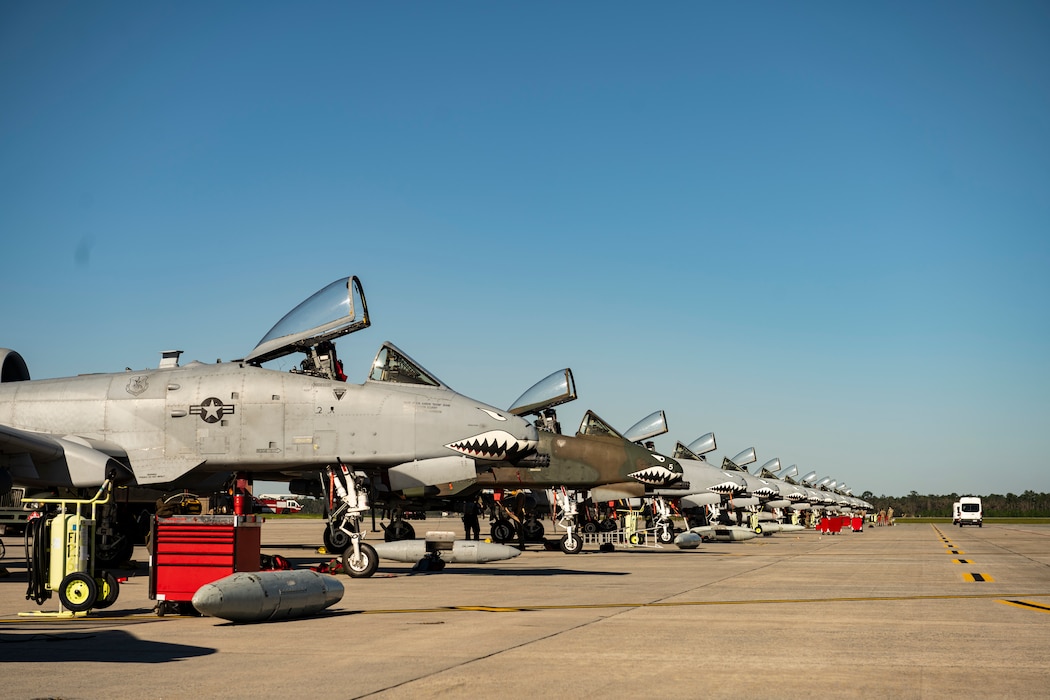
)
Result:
{"points": [[1029, 504]]}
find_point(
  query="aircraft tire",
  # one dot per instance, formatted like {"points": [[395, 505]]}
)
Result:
{"points": [[363, 567], [117, 548], [665, 536], [335, 542], [533, 530], [577, 544], [502, 532], [590, 527], [398, 531], [78, 592]]}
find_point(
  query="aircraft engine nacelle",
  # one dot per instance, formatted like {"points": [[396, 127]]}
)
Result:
{"points": [[12, 367]]}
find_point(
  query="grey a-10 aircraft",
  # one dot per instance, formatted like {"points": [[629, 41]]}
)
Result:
{"points": [[193, 425]]}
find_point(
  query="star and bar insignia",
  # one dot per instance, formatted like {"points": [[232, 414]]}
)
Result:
{"points": [[211, 410]]}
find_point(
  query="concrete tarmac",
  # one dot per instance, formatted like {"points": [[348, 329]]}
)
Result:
{"points": [[910, 611]]}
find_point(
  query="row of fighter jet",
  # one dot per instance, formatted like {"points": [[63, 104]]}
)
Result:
{"points": [[399, 439], [714, 501]]}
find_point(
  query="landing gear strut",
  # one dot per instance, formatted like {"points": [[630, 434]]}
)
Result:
{"points": [[662, 517], [567, 502], [343, 532]]}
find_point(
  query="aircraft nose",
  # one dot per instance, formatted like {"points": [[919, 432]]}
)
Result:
{"points": [[513, 439], [657, 470]]}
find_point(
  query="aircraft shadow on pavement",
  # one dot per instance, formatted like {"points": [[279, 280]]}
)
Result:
{"points": [[113, 646], [490, 570], [487, 569]]}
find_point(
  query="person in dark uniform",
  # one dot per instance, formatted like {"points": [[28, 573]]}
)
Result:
{"points": [[470, 519]]}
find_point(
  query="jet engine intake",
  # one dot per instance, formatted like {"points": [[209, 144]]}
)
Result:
{"points": [[12, 367]]}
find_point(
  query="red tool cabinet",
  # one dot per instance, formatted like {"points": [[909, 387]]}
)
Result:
{"points": [[192, 550]]}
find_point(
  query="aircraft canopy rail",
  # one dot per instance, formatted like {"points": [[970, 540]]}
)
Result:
{"points": [[335, 311], [553, 390], [393, 365]]}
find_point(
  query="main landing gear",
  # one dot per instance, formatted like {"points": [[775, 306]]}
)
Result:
{"points": [[398, 529]]}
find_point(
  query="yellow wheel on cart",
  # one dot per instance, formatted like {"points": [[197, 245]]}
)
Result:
{"points": [[78, 592], [108, 590]]}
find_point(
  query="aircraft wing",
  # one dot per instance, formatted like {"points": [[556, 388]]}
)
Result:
{"points": [[40, 459]]}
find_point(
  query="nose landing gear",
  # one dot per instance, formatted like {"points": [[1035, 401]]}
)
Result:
{"points": [[343, 532]]}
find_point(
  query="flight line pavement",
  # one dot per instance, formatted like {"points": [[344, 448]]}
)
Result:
{"points": [[911, 611]]}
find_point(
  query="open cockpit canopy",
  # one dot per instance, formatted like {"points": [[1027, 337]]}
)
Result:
{"points": [[553, 390], [335, 311], [652, 425]]}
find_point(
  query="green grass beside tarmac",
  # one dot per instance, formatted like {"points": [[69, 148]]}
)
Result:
{"points": [[948, 521]]}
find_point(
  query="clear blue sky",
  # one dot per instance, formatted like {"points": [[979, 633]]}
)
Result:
{"points": [[821, 229]]}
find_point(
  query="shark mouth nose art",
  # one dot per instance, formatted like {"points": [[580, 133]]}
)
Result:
{"points": [[726, 488], [656, 475], [496, 445]]}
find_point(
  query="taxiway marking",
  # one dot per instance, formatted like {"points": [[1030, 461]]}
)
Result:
{"points": [[1027, 604], [978, 578], [685, 603]]}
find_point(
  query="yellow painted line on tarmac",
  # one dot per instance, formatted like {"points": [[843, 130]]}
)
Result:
{"points": [[1027, 604], [979, 578], [90, 619], [962, 561], [539, 608], [681, 604]]}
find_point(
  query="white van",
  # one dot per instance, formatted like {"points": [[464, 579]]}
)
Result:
{"points": [[970, 511]]}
